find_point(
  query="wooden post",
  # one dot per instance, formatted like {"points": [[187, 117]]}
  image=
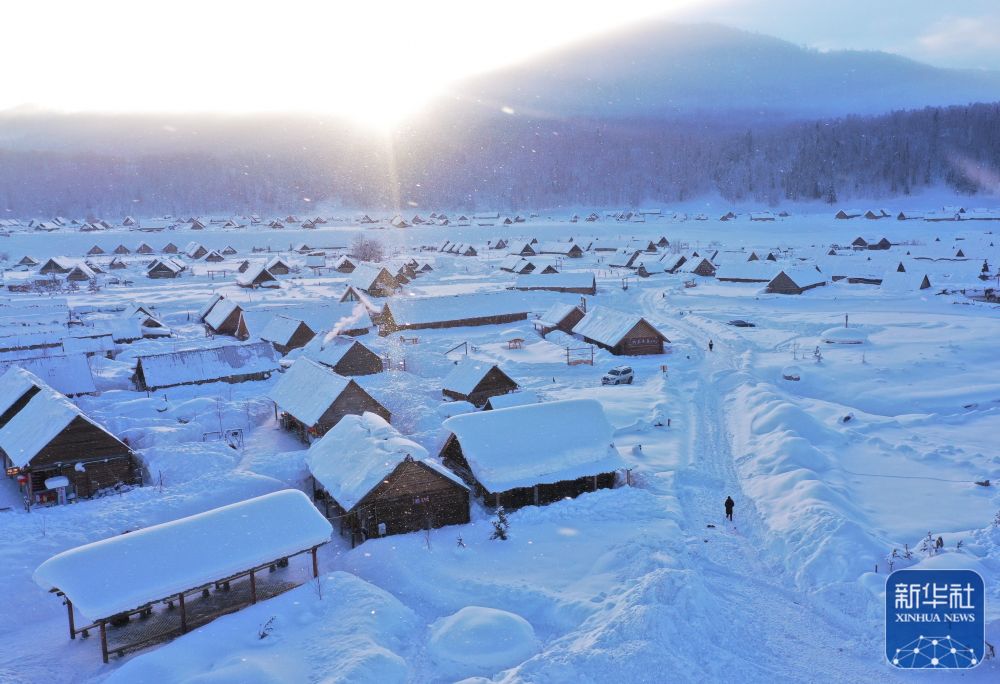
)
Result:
{"points": [[535, 488], [104, 642], [69, 610], [595, 483], [315, 562], [253, 587], [184, 621]]}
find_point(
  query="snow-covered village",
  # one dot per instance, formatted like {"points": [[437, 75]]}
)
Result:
{"points": [[543, 380]]}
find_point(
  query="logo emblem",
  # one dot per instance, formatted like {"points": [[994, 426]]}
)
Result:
{"points": [[935, 619]]}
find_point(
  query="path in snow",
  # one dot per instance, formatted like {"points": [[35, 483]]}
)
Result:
{"points": [[768, 621]]}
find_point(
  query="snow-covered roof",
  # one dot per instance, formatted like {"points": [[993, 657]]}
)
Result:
{"points": [[357, 453], [464, 377], [363, 276], [247, 278], [218, 314], [804, 275], [417, 310], [761, 270], [213, 363], [130, 570], [280, 329], [38, 422], [607, 326], [513, 262], [571, 280], [536, 444], [307, 389], [13, 384], [331, 353], [556, 313], [66, 373]]}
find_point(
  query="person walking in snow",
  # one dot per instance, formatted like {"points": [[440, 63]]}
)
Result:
{"points": [[711, 345], [729, 507]]}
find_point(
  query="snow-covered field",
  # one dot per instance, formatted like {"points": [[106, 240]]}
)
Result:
{"points": [[878, 443]]}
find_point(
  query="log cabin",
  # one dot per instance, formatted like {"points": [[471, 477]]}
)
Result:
{"points": [[347, 357], [285, 333], [312, 399], [796, 280], [223, 316], [453, 311], [619, 332], [559, 317], [52, 448], [534, 454], [232, 364], [475, 382], [376, 483]]}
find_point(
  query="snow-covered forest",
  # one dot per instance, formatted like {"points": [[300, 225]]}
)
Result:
{"points": [[504, 162]]}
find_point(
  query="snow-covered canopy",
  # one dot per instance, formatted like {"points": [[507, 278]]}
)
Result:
{"points": [[537, 444], [124, 572], [357, 454], [213, 363], [608, 326], [307, 389]]}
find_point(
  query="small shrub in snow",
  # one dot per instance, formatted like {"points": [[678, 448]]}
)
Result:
{"points": [[501, 526], [460, 542], [266, 628], [367, 249]]}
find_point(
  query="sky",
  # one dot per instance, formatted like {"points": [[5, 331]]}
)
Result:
{"points": [[378, 62]]}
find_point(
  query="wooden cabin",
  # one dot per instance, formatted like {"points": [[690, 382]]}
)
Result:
{"points": [[278, 266], [347, 357], [573, 282], [95, 251], [516, 263], [417, 313], [143, 248], [559, 317], [374, 280], [54, 451], [56, 265], [796, 280], [256, 276], [231, 364], [213, 257], [223, 316], [164, 268], [619, 332], [567, 249], [344, 265], [533, 454], [286, 333], [81, 273], [475, 382], [170, 248], [195, 250], [312, 399], [374, 482]]}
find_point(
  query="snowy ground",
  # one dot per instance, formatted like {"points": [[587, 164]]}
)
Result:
{"points": [[647, 583]]}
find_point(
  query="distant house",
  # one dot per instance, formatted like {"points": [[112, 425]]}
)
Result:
{"points": [[875, 214], [524, 249], [619, 332], [728, 216], [214, 257], [27, 261], [278, 266], [232, 363], [910, 215], [859, 243], [575, 282], [515, 263], [347, 357], [415, 313], [170, 248], [224, 317], [94, 251], [143, 248], [747, 272], [81, 272], [534, 454], [312, 399], [663, 242], [796, 280], [228, 250], [195, 250], [57, 265], [559, 317], [847, 214], [344, 265], [761, 216], [475, 382], [499, 244], [567, 249], [56, 451], [164, 268], [257, 276], [122, 249], [625, 257], [398, 222], [374, 280], [285, 333], [698, 266], [376, 482]]}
